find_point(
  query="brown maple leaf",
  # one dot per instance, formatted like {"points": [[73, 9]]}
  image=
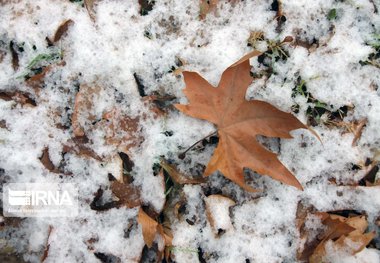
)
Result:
{"points": [[239, 122]]}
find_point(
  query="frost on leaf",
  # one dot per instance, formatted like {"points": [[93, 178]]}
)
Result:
{"points": [[239, 122], [118, 128], [218, 213], [345, 234]]}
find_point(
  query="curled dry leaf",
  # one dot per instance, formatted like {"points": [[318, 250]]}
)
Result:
{"points": [[150, 228], [358, 129], [345, 233], [218, 213], [62, 29], [239, 122], [14, 54], [45, 160], [90, 6], [177, 176]]}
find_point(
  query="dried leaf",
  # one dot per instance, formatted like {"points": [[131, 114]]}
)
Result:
{"points": [[14, 54], [37, 80], [83, 106], [177, 176], [346, 234], [78, 146], [62, 29], [121, 130], [45, 160], [239, 122], [149, 227], [217, 212], [128, 194], [207, 6], [18, 97], [47, 245], [358, 131], [90, 4]]}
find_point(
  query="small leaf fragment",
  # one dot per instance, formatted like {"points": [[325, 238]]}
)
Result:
{"points": [[90, 4], [62, 29], [14, 54], [45, 160], [217, 211]]}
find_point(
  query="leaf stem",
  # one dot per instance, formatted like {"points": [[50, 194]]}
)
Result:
{"points": [[183, 154]]}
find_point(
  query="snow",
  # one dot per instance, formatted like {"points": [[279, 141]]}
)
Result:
{"points": [[119, 43]]}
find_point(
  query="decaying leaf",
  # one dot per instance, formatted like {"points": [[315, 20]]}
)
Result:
{"points": [[82, 107], [45, 160], [62, 29], [121, 130], [177, 176], [15, 59], [345, 233], [218, 214], [47, 245], [128, 194], [18, 97], [358, 129], [90, 6], [78, 146], [37, 80], [207, 6], [239, 122], [150, 228]]}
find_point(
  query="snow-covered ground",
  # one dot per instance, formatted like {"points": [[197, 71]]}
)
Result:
{"points": [[328, 76]]}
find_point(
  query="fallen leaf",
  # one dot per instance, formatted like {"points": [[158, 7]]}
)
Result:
{"points": [[207, 6], [239, 122], [89, 4], [15, 59], [345, 233], [121, 130], [217, 212], [18, 97], [83, 106], [150, 228], [37, 80], [47, 245], [358, 129], [78, 146], [128, 194], [177, 176], [48, 164], [62, 29]]}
